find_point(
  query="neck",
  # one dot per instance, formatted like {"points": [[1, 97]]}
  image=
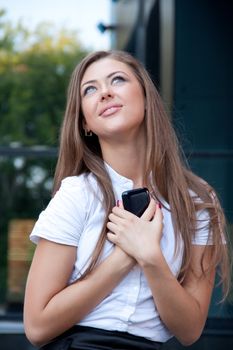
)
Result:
{"points": [[128, 159]]}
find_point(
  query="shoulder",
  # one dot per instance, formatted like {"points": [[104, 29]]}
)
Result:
{"points": [[202, 234], [77, 184], [79, 181], [70, 188], [73, 182], [63, 219], [82, 191]]}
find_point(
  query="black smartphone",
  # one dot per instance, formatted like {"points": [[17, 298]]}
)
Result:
{"points": [[136, 201]]}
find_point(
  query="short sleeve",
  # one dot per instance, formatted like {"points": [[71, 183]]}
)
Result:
{"points": [[202, 235], [63, 219]]}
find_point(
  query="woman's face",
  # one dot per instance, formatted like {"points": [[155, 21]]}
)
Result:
{"points": [[112, 100]]}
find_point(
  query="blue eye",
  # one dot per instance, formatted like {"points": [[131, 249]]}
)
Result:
{"points": [[89, 90], [118, 79]]}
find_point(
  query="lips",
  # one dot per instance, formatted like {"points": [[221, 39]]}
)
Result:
{"points": [[110, 109]]}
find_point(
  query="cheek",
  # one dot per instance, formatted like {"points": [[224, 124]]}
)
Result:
{"points": [[137, 96], [138, 102], [87, 110]]}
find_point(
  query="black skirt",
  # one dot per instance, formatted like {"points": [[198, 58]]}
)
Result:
{"points": [[89, 338]]}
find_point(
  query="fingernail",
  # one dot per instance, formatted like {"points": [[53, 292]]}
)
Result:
{"points": [[160, 206]]}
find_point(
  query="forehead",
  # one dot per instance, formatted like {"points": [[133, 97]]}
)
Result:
{"points": [[104, 67]]}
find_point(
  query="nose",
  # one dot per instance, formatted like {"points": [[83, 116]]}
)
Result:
{"points": [[106, 93]]}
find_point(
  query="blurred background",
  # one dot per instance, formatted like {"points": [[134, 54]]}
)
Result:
{"points": [[187, 47]]}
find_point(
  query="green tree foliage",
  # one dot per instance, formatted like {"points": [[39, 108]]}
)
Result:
{"points": [[34, 71], [35, 67]]}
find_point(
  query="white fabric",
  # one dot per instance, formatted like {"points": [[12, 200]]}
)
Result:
{"points": [[74, 217]]}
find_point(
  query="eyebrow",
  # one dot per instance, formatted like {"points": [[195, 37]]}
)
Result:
{"points": [[108, 76]]}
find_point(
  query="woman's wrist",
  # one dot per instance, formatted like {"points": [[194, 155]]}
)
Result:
{"points": [[154, 259], [124, 260]]}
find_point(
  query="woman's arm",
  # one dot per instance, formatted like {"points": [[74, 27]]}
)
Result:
{"points": [[51, 307], [182, 308]]}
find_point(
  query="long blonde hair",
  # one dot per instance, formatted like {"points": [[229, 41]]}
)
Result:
{"points": [[164, 160]]}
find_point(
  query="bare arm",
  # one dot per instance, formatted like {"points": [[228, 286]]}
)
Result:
{"points": [[51, 307], [183, 308]]}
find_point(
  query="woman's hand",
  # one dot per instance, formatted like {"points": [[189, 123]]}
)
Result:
{"points": [[132, 234]]}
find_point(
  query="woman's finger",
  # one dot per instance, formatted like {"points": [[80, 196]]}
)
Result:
{"points": [[122, 213], [158, 217], [115, 218], [111, 237], [120, 204], [150, 211], [112, 226]]}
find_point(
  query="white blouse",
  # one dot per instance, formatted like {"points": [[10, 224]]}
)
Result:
{"points": [[75, 217]]}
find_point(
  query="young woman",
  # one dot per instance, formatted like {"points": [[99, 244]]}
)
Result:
{"points": [[101, 277]]}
